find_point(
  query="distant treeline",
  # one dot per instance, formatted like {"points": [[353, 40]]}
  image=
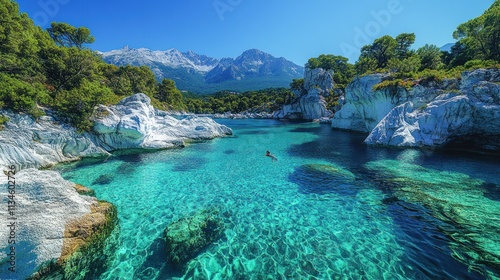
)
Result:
{"points": [[266, 100]]}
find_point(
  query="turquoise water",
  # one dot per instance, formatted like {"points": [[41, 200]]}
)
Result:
{"points": [[329, 208]]}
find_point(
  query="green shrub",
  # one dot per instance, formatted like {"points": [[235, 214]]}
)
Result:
{"points": [[3, 120], [20, 96], [77, 105], [393, 85], [477, 64]]}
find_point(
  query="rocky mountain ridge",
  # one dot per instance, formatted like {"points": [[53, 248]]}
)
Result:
{"points": [[252, 70]]}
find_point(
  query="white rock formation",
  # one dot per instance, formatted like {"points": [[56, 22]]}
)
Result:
{"points": [[318, 83], [44, 203], [434, 115], [134, 123], [470, 116], [27, 143]]}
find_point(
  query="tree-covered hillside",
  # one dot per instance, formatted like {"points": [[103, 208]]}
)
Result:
{"points": [[477, 46], [54, 69]]}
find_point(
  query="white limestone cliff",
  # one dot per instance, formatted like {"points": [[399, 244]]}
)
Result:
{"points": [[311, 104], [27, 143], [133, 123], [433, 115]]}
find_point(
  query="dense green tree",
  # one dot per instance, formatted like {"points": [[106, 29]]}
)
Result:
{"points": [[77, 104], [20, 96], [342, 69], [403, 46], [66, 35], [406, 66], [298, 84], [458, 56], [365, 65], [170, 95], [430, 57], [386, 52], [65, 68], [134, 79], [20, 42], [225, 101], [381, 51], [481, 35]]}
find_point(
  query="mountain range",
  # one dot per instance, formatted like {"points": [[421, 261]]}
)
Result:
{"points": [[252, 70]]}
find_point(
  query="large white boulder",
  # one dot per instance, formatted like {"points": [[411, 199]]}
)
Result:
{"points": [[365, 107], [134, 123], [469, 116]]}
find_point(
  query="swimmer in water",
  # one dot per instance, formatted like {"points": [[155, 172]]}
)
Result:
{"points": [[268, 154]]}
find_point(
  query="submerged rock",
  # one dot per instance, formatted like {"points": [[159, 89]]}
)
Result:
{"points": [[323, 179], [84, 190], [104, 179], [187, 237], [55, 225], [454, 198]]}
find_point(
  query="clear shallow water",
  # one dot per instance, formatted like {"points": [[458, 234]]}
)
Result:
{"points": [[330, 207]]}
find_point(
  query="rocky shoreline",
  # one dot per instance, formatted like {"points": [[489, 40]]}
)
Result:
{"points": [[65, 227], [463, 111]]}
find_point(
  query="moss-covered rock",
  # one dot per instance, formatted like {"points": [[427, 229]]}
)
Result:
{"points": [[84, 190], [454, 198], [83, 254], [322, 179], [187, 237]]}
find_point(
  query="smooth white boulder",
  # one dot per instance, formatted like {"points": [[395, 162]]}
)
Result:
{"points": [[134, 123]]}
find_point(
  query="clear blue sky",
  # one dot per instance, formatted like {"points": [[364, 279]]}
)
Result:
{"points": [[294, 29]]}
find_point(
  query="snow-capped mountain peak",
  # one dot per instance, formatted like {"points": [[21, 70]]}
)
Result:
{"points": [[201, 73], [171, 58]]}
